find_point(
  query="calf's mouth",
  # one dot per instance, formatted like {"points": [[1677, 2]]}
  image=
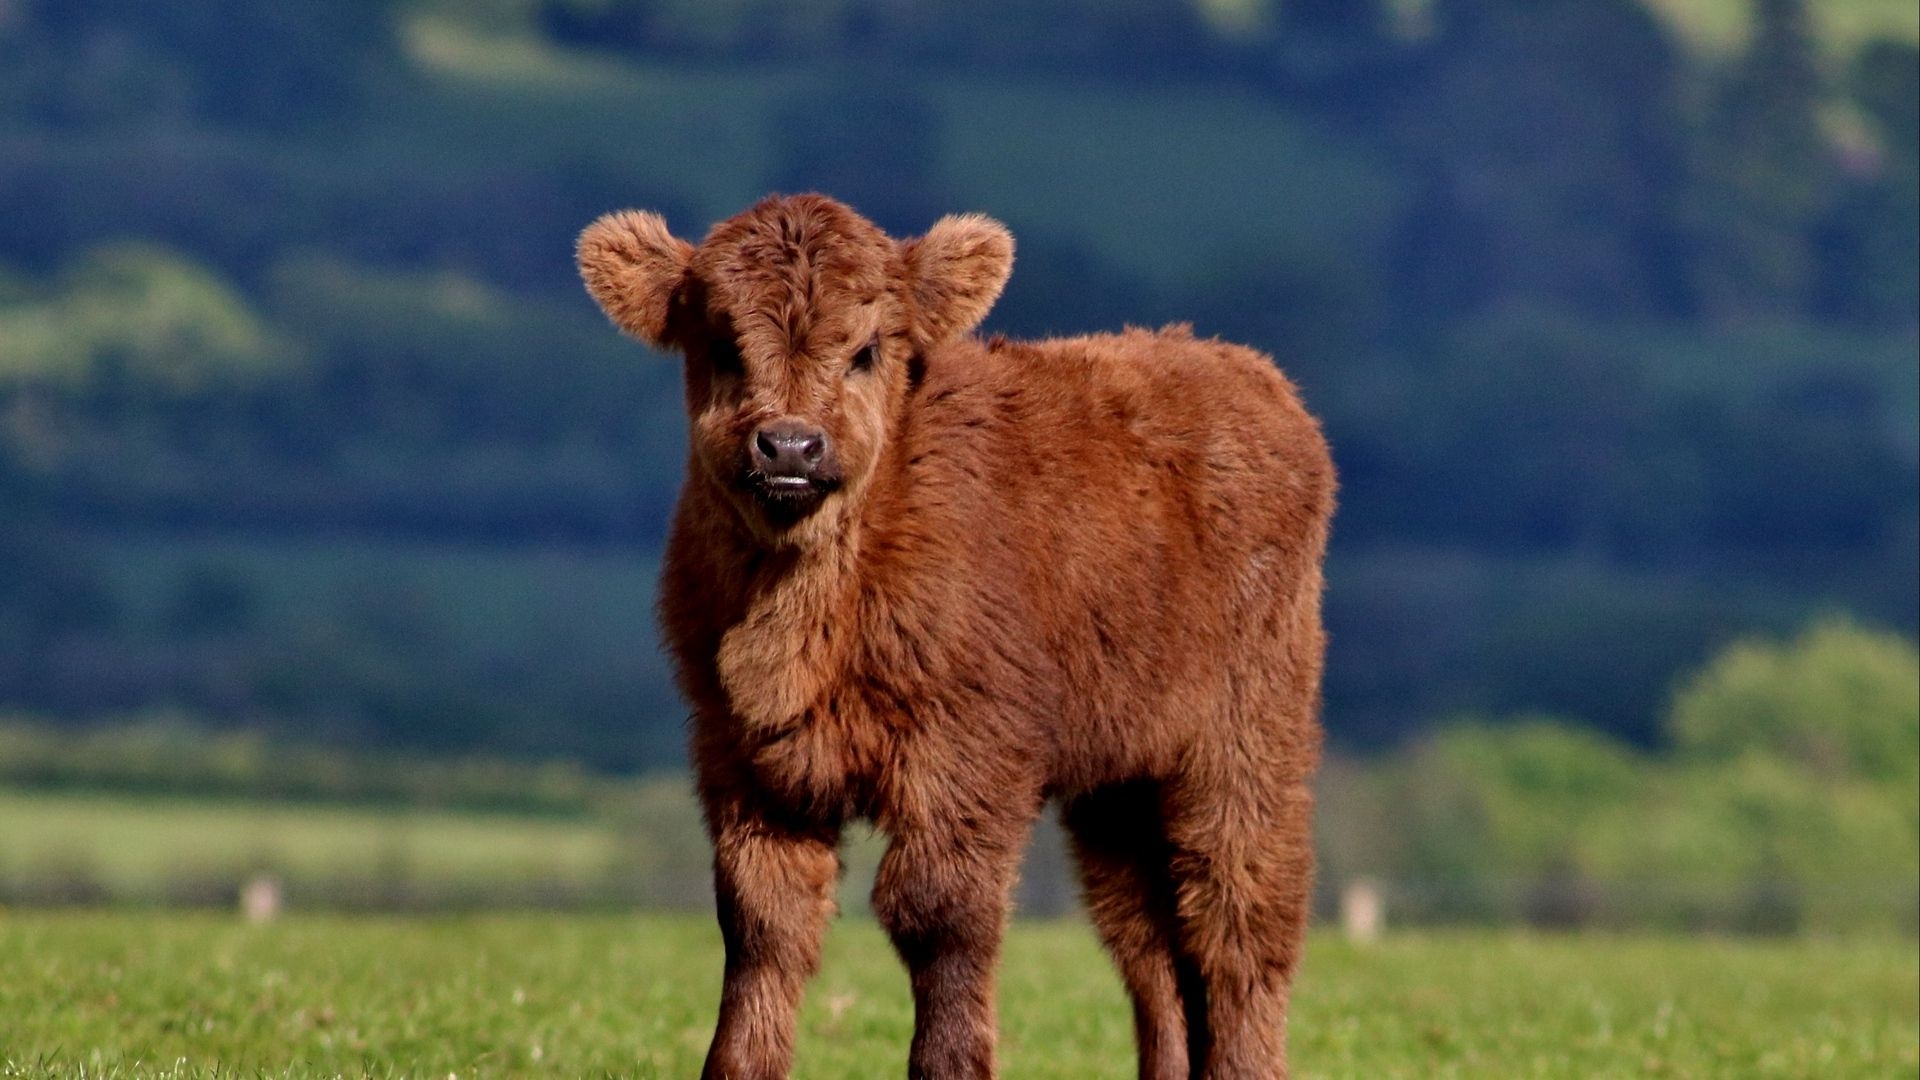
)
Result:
{"points": [[786, 498]]}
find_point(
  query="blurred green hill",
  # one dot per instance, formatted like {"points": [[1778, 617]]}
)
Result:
{"points": [[305, 423]]}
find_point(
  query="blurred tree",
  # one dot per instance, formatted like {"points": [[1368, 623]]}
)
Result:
{"points": [[48, 587], [732, 29], [139, 314], [1539, 777], [1538, 431], [1339, 55], [603, 24], [1869, 254], [129, 318], [1765, 174], [1062, 288], [1839, 701], [1560, 488], [872, 142], [1129, 38], [1315, 311], [1535, 818], [1116, 38], [1484, 821], [1758, 845], [268, 65], [111, 77], [211, 598], [1543, 140]]}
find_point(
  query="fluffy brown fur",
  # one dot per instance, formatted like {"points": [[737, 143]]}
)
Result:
{"points": [[1084, 570]]}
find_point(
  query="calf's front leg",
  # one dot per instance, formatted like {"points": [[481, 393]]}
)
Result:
{"points": [[774, 889], [943, 899]]}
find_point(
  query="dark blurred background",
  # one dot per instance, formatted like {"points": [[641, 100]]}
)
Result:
{"points": [[319, 473]]}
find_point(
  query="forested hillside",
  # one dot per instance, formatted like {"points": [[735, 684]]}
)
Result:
{"points": [[305, 423]]}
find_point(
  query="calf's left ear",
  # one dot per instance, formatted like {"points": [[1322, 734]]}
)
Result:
{"points": [[633, 267], [958, 269]]}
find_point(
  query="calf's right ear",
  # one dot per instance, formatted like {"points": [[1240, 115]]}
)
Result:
{"points": [[958, 269], [633, 267]]}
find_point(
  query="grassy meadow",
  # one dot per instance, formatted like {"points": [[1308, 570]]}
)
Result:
{"points": [[202, 996], [132, 848]]}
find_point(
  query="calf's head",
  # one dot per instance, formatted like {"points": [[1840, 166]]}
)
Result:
{"points": [[803, 326]]}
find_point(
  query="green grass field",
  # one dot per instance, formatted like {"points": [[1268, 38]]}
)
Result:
{"points": [[196, 996]]}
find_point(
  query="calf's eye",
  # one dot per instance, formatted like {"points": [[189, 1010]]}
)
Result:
{"points": [[865, 358], [724, 357]]}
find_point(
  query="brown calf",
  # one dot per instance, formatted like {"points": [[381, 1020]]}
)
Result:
{"points": [[935, 582]]}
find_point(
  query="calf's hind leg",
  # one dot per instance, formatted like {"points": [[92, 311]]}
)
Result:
{"points": [[1123, 858], [1243, 877]]}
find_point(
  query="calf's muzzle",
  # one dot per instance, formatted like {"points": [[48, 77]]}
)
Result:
{"points": [[789, 453]]}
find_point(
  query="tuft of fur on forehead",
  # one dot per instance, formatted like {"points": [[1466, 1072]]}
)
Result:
{"points": [[792, 262]]}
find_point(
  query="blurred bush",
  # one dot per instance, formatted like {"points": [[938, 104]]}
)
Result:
{"points": [[133, 319], [1787, 801], [1790, 800], [1840, 702]]}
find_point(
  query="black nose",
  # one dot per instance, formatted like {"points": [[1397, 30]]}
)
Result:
{"points": [[789, 448]]}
